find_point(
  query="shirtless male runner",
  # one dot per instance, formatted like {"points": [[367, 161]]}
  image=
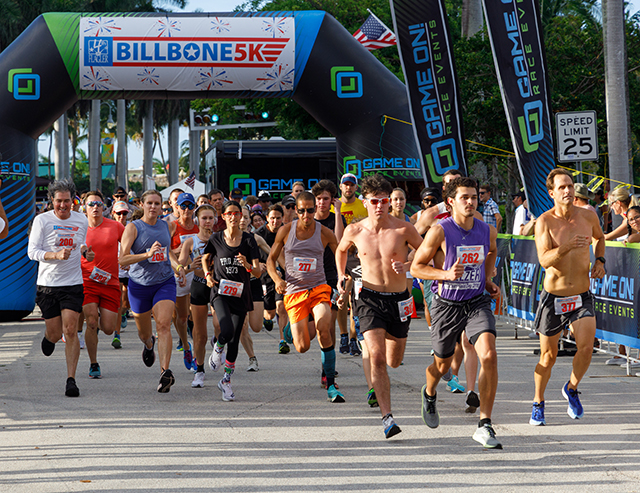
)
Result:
{"points": [[563, 235], [384, 306]]}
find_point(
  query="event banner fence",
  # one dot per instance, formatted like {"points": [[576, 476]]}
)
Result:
{"points": [[615, 302], [426, 54]]}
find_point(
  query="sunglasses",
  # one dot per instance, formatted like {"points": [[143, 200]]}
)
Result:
{"points": [[429, 201], [167, 210], [482, 193], [308, 210], [383, 201], [232, 214], [122, 213], [95, 203], [189, 206], [290, 206], [120, 196]]}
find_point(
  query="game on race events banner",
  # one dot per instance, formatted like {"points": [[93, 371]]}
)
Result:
{"points": [[187, 54]]}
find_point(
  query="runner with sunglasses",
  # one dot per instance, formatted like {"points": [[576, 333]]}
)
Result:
{"points": [[306, 291], [146, 247], [230, 258], [101, 303], [120, 213], [384, 306], [181, 229]]}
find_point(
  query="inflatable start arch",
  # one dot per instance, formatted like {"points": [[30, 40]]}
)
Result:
{"points": [[307, 56]]}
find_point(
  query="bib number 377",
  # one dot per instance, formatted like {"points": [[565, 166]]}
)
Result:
{"points": [[405, 309], [568, 304]]}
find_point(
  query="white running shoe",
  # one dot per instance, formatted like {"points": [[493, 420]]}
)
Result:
{"points": [[216, 360], [253, 364], [227, 391], [198, 380]]}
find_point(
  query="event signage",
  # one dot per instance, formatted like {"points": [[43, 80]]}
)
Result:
{"points": [[427, 61], [187, 53], [515, 33]]}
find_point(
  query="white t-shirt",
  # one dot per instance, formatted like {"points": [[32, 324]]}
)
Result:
{"points": [[522, 217], [51, 234], [2, 225]]}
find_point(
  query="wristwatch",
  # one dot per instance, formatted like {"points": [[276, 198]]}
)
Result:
{"points": [[602, 259]]}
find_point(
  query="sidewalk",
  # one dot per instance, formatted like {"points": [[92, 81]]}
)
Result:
{"points": [[281, 434]]}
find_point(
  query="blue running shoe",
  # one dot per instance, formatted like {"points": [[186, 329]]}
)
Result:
{"points": [[94, 371], [188, 357], [537, 414], [356, 322], [267, 324], [354, 348], [344, 344], [455, 386], [574, 410], [333, 395], [123, 322], [179, 346], [286, 333], [390, 427]]}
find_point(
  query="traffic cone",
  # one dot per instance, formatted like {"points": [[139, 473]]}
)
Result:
{"points": [[414, 314]]}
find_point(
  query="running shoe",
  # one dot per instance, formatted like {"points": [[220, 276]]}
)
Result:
{"points": [[487, 437], [267, 324], [94, 371], [116, 343], [286, 333], [390, 427], [179, 347], [72, 389], [447, 376], [574, 410], [354, 348], [216, 360], [188, 357], [166, 381], [198, 380], [283, 348], [333, 395], [615, 361], [344, 344], [430, 414], [81, 339], [473, 402], [253, 364], [537, 414], [227, 391], [372, 400], [47, 347], [356, 323], [123, 322], [455, 386], [149, 355]]}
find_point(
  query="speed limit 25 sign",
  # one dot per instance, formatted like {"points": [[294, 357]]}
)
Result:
{"points": [[577, 136]]}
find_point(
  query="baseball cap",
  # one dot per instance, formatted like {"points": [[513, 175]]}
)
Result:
{"points": [[120, 191], [349, 177], [519, 194], [256, 208], [264, 196], [288, 200], [582, 191], [185, 197], [236, 193], [120, 206]]}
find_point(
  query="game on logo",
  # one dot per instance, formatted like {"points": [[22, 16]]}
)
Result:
{"points": [[23, 84], [346, 83], [244, 183], [531, 126], [443, 157]]}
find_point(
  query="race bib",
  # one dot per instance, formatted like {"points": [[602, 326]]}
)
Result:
{"points": [[184, 238], [568, 304], [470, 255], [357, 287], [159, 256], [65, 240], [405, 309], [98, 275], [301, 264], [230, 288]]}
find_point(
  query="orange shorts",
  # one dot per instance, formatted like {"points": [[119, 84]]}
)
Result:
{"points": [[299, 305], [107, 297]]}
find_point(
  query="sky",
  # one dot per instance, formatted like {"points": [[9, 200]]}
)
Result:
{"points": [[135, 151]]}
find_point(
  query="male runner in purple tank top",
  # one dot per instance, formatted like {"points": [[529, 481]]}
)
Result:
{"points": [[461, 304]]}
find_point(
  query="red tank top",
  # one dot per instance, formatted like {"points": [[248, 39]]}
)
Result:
{"points": [[182, 234]]}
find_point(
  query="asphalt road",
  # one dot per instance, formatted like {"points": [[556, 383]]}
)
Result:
{"points": [[281, 434]]}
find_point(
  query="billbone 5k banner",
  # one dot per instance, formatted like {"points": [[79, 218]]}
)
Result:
{"points": [[516, 41], [427, 62]]}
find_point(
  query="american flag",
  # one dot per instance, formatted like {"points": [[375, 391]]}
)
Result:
{"points": [[373, 34], [191, 180]]}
